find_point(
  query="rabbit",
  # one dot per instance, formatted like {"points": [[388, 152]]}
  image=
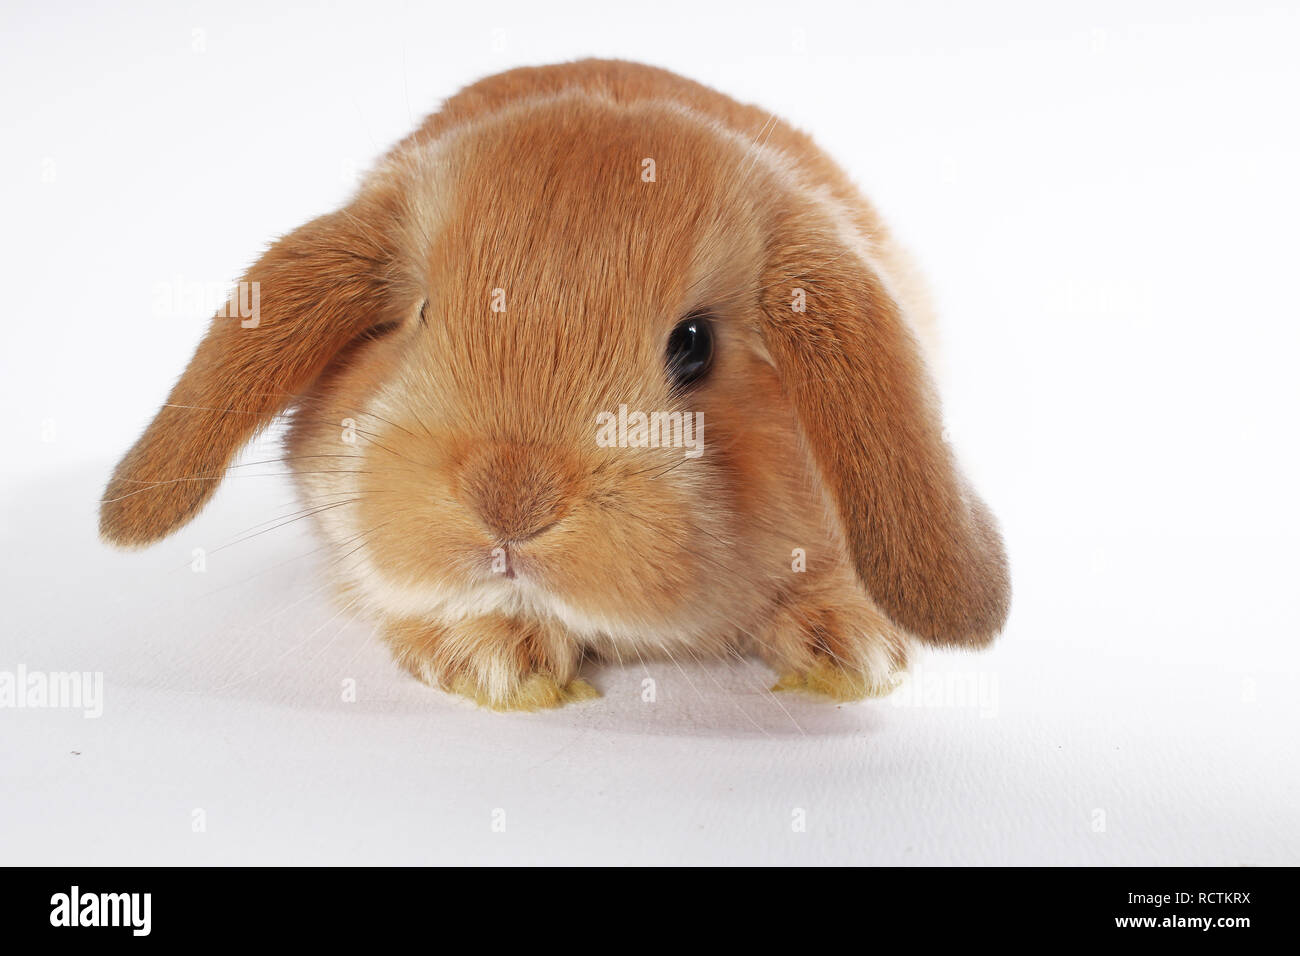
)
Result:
{"points": [[598, 363]]}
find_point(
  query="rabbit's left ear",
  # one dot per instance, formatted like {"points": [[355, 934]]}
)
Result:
{"points": [[926, 549], [311, 294]]}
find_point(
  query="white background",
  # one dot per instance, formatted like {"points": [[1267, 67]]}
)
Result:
{"points": [[1105, 198]]}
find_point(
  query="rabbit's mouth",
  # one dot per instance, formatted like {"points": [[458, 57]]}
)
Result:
{"points": [[511, 557]]}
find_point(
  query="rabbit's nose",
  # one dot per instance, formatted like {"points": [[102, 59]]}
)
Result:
{"points": [[516, 491]]}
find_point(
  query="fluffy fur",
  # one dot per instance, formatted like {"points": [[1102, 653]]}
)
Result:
{"points": [[469, 504]]}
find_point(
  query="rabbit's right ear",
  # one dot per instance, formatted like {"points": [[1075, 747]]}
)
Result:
{"points": [[925, 547], [313, 292]]}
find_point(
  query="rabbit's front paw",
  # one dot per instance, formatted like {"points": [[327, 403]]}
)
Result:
{"points": [[826, 678], [834, 643], [533, 692], [498, 662]]}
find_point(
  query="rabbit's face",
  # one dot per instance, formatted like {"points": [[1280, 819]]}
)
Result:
{"points": [[573, 412]]}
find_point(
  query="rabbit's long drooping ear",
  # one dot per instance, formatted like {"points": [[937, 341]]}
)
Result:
{"points": [[313, 292], [925, 547]]}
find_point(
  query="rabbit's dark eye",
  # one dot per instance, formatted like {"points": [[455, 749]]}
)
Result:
{"points": [[690, 350]]}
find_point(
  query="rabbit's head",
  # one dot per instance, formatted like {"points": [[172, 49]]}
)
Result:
{"points": [[597, 356]]}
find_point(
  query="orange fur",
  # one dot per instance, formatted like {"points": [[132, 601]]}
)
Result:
{"points": [[475, 448]]}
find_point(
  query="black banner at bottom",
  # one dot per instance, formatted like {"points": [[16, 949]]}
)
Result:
{"points": [[214, 905]]}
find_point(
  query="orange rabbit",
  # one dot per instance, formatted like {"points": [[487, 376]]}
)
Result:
{"points": [[601, 362]]}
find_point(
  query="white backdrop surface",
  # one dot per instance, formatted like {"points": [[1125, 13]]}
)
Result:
{"points": [[1105, 200]]}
